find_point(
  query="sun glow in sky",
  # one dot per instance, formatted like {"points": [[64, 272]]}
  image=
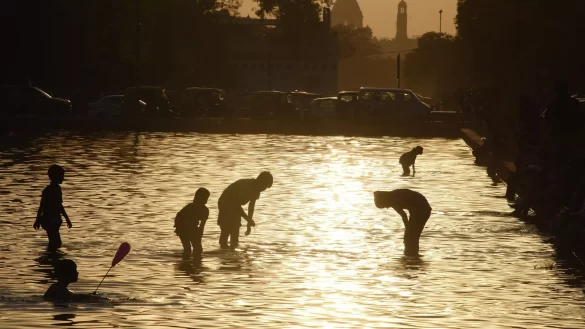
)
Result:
{"points": [[380, 15]]}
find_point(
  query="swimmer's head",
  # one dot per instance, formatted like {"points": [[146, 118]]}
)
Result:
{"points": [[201, 196], [418, 150], [66, 271], [265, 179], [380, 200], [56, 174]]}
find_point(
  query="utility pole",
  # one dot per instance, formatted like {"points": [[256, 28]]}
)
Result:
{"points": [[441, 21], [269, 70], [138, 28], [398, 71]]}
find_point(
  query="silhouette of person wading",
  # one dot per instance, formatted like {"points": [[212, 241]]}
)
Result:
{"points": [[66, 273], [190, 223], [418, 208], [408, 159], [230, 205], [51, 208]]}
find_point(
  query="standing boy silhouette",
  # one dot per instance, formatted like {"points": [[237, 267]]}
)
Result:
{"points": [[51, 208]]}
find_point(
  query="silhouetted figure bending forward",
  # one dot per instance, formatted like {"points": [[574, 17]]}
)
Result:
{"points": [[408, 159], [230, 207], [418, 207]]}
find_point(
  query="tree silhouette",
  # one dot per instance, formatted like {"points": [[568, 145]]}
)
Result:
{"points": [[296, 17]]}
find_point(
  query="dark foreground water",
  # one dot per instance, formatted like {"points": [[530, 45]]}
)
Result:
{"points": [[321, 256]]}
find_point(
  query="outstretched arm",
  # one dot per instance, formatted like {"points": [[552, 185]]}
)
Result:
{"points": [[403, 215], [251, 206], [413, 167]]}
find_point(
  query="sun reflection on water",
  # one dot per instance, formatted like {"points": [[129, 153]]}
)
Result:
{"points": [[321, 256]]}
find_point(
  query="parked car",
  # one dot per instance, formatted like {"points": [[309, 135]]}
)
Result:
{"points": [[324, 108], [391, 104], [31, 101], [110, 107], [582, 108], [204, 102], [280, 105], [427, 100], [265, 104], [299, 104], [347, 105], [157, 103]]}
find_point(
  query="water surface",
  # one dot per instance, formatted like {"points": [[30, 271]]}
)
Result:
{"points": [[322, 255]]}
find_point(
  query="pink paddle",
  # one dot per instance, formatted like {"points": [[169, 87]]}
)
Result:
{"points": [[123, 250]]}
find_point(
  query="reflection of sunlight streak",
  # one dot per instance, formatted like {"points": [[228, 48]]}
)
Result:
{"points": [[338, 174]]}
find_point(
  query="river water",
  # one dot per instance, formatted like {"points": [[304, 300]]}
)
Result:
{"points": [[321, 256]]}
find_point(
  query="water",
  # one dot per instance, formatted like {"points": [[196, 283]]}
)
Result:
{"points": [[322, 255]]}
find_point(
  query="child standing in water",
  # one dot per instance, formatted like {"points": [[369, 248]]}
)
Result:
{"points": [[418, 208], [408, 159], [51, 208], [230, 207], [190, 223]]}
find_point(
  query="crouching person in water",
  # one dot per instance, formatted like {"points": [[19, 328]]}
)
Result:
{"points": [[418, 208], [66, 273], [230, 205], [408, 159], [190, 223]]}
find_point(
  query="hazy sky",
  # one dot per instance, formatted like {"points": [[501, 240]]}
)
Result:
{"points": [[380, 15]]}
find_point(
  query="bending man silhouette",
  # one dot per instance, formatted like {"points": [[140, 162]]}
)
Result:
{"points": [[230, 207], [419, 209], [408, 159]]}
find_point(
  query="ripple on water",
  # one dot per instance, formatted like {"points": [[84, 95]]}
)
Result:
{"points": [[321, 255]]}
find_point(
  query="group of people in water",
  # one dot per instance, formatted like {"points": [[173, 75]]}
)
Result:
{"points": [[190, 220]]}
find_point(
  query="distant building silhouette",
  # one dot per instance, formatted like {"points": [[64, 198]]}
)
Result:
{"points": [[347, 12], [260, 57], [402, 43], [402, 21]]}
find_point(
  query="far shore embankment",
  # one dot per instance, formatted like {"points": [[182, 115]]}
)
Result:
{"points": [[448, 128]]}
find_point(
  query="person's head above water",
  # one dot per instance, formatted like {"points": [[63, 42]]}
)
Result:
{"points": [[380, 200], [66, 271], [56, 174], [201, 196], [418, 150], [265, 179]]}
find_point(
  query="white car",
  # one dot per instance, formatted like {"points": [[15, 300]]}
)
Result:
{"points": [[324, 108]]}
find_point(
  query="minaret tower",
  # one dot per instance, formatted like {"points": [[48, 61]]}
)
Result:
{"points": [[402, 21]]}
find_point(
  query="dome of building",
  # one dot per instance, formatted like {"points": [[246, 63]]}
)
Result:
{"points": [[347, 12]]}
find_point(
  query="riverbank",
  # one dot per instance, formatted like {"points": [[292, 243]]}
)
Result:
{"points": [[448, 128], [566, 239]]}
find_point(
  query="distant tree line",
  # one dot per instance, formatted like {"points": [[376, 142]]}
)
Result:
{"points": [[505, 46]]}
